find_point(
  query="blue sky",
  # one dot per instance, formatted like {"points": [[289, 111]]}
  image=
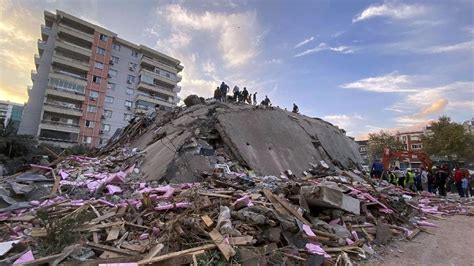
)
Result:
{"points": [[362, 65]]}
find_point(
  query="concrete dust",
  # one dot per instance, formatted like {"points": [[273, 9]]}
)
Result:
{"points": [[450, 244]]}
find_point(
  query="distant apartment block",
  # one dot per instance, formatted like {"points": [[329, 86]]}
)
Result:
{"points": [[364, 150], [469, 126], [10, 113], [89, 82]]}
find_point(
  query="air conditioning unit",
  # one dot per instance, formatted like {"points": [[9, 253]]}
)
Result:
{"points": [[129, 81], [103, 116], [101, 132], [92, 98], [109, 76], [131, 68], [129, 108], [111, 62]]}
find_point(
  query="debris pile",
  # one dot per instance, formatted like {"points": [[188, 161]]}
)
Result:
{"points": [[115, 209]]}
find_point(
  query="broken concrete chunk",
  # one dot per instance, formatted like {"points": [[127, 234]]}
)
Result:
{"points": [[383, 233], [321, 196]]}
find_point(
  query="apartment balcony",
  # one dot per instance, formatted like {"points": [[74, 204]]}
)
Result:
{"points": [[153, 100], [177, 89], [158, 77], [34, 74], [68, 76], [63, 93], [62, 109], [61, 143], [145, 60], [156, 88], [73, 63], [37, 59], [73, 48], [59, 126], [140, 109], [180, 68], [45, 30], [75, 32], [41, 45]]}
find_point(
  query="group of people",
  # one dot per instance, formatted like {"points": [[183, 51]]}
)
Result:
{"points": [[238, 96], [438, 179]]}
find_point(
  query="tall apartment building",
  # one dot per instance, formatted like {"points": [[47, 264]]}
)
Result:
{"points": [[10, 113], [89, 82]]}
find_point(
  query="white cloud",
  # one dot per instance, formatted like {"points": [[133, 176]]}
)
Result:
{"points": [[310, 39], [325, 47], [238, 34], [467, 46], [348, 122], [392, 82], [390, 10]]}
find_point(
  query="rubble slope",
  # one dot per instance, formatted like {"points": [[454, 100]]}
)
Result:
{"points": [[268, 141]]}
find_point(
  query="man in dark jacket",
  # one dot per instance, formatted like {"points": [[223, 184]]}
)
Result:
{"points": [[377, 169], [441, 176], [295, 108], [224, 90], [245, 94]]}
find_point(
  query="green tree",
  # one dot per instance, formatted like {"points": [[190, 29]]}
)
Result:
{"points": [[449, 139], [378, 141]]}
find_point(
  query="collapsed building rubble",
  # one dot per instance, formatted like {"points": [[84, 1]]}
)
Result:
{"points": [[207, 184]]}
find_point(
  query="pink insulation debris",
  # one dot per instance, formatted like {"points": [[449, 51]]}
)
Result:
{"points": [[425, 223], [316, 249], [308, 230], [169, 206], [28, 256], [113, 189]]}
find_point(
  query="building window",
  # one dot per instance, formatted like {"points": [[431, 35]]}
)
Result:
{"points": [[128, 104], [114, 60], [111, 86], [405, 147], [109, 99], [106, 127], [112, 73], [132, 66], [102, 141], [127, 117], [90, 124], [107, 113], [93, 95], [130, 79], [91, 108], [100, 51], [134, 53], [96, 79], [87, 140], [129, 91], [147, 79], [103, 37], [116, 47], [99, 65], [416, 146]]}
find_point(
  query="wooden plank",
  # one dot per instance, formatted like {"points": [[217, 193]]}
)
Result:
{"points": [[113, 233], [154, 251], [98, 226], [112, 249], [103, 217], [42, 260], [23, 218], [95, 237], [215, 195], [241, 240], [54, 190], [207, 220], [176, 254], [292, 210], [224, 247], [134, 247], [413, 234], [275, 203]]}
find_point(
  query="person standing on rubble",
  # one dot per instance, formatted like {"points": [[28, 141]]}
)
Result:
{"points": [[424, 179], [255, 98], [441, 176], [266, 102], [400, 176], [249, 99], [245, 94], [295, 108], [458, 177], [224, 90], [236, 92], [411, 180], [432, 180], [217, 94], [376, 170]]}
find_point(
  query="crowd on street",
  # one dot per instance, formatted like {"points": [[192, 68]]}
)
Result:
{"points": [[439, 179]]}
